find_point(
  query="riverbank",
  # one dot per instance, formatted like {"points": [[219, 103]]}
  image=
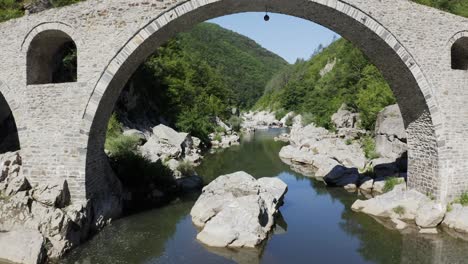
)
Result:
{"points": [[314, 219]]}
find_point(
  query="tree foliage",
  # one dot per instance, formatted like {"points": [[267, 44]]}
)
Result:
{"points": [[305, 88]]}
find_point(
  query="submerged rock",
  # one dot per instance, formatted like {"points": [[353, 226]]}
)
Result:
{"points": [[235, 210]]}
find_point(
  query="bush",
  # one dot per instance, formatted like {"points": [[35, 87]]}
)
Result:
{"points": [[280, 113], [136, 171], [289, 121], [348, 141], [463, 199], [186, 168], [400, 210], [368, 145], [218, 137], [235, 122], [220, 129], [121, 145], [390, 183], [307, 118]]}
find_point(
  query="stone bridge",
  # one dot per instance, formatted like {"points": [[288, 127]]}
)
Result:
{"points": [[60, 127]]}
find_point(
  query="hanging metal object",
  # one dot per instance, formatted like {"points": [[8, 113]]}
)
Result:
{"points": [[266, 17]]}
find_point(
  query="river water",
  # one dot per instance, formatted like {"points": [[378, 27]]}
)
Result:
{"points": [[316, 224]]}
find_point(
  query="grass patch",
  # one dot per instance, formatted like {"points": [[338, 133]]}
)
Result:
{"points": [[218, 138], [280, 113], [307, 119], [348, 141], [463, 199], [235, 122], [390, 183], [289, 121], [368, 145], [186, 168], [400, 210]]}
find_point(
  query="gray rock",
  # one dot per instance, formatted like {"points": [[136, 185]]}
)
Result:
{"points": [[17, 184], [235, 210], [456, 219], [366, 184], [430, 214], [390, 133], [341, 176], [190, 183], [344, 118], [22, 246], [54, 194], [399, 204]]}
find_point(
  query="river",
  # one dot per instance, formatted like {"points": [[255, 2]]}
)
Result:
{"points": [[316, 224]]}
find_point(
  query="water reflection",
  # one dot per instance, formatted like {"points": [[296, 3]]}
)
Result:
{"points": [[316, 225]]}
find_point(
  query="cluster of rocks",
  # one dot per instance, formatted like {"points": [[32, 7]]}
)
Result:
{"points": [[169, 146], [409, 211], [260, 120], [338, 158], [225, 138], [236, 210], [37, 221]]}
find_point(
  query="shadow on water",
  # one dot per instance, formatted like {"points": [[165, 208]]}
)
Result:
{"points": [[316, 225]]}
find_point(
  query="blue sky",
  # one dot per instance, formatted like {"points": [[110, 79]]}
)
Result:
{"points": [[288, 36]]}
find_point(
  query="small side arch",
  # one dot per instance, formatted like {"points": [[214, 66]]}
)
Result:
{"points": [[458, 45], [51, 54]]}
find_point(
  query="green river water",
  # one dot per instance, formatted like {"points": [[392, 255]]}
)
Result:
{"points": [[316, 224]]}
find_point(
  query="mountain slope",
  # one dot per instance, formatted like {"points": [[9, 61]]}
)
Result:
{"points": [[196, 76], [317, 87], [244, 65]]}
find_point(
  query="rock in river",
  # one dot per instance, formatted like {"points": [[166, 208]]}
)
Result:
{"points": [[235, 210]]}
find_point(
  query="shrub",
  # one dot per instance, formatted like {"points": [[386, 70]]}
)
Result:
{"points": [[289, 121], [220, 129], [463, 199], [218, 137], [307, 118], [135, 171], [348, 141], [121, 145], [390, 183], [280, 113], [235, 122], [186, 168], [400, 210], [368, 145]]}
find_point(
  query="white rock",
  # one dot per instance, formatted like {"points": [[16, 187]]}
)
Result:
{"points": [[432, 231], [430, 214], [235, 210], [390, 133], [25, 246], [53, 193], [456, 219], [386, 205]]}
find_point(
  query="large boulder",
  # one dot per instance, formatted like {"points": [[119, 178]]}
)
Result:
{"points": [[390, 133], [430, 214], [235, 210], [399, 203], [342, 177], [344, 118], [22, 246], [456, 219], [168, 135], [53, 194]]}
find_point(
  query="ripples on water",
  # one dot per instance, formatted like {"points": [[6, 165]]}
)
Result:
{"points": [[316, 225]]}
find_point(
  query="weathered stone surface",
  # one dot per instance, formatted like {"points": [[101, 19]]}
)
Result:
{"points": [[22, 246], [456, 219], [17, 184], [390, 133], [259, 120], [399, 204], [430, 214], [53, 194], [235, 210], [344, 118]]}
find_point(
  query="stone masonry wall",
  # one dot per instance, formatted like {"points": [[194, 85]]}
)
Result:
{"points": [[61, 125]]}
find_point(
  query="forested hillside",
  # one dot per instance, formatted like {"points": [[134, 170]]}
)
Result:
{"points": [[196, 76], [317, 87]]}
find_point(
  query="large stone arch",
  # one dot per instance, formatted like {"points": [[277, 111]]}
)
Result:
{"points": [[9, 137], [414, 93]]}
